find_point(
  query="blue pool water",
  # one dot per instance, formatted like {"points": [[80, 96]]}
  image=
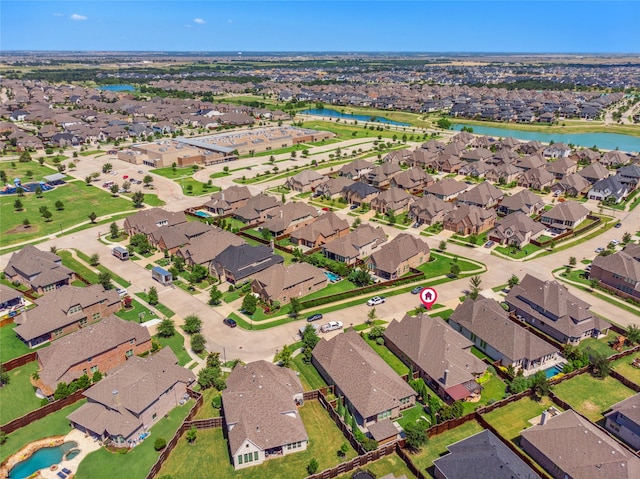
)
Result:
{"points": [[554, 371], [332, 276], [117, 87], [41, 459], [202, 214], [349, 116]]}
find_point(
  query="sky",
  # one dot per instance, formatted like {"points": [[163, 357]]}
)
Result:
{"points": [[538, 26]]}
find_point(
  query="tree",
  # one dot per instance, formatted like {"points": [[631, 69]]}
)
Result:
{"points": [[88, 179], [25, 157], [626, 237], [113, 229], [518, 384], [138, 199], [192, 324], [141, 242], [371, 316], [97, 376], [107, 167], [415, 435], [166, 328], [215, 295], [599, 364], [26, 223], [572, 261], [376, 332], [285, 356], [192, 434], [160, 444], [475, 282], [197, 343], [179, 263], [309, 340], [4, 377], [198, 273], [20, 191], [633, 334], [266, 234], [454, 270], [94, 259], [104, 279], [295, 307], [444, 123], [126, 186], [513, 281], [38, 192], [540, 384], [114, 189], [249, 304], [46, 214], [594, 282], [147, 180], [344, 448], [312, 467], [152, 297], [62, 391], [360, 277], [17, 205], [443, 245]]}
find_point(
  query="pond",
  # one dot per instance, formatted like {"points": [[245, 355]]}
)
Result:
{"points": [[41, 459], [327, 112], [607, 141], [117, 87]]}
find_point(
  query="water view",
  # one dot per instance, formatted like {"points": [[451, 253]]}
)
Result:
{"points": [[117, 87], [327, 112], [607, 141]]}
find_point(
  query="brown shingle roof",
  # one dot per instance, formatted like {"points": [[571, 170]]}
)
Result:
{"points": [[402, 248], [45, 266]]}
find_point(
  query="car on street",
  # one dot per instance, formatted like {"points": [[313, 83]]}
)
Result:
{"points": [[615, 242], [618, 225], [121, 292], [489, 244], [417, 289], [331, 326], [599, 250], [376, 300], [230, 322], [416, 225], [314, 317], [353, 207], [140, 172]]}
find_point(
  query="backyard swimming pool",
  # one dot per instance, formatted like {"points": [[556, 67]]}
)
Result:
{"points": [[332, 276], [202, 214], [554, 371], [41, 459]]}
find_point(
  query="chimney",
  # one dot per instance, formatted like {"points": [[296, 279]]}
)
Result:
{"points": [[446, 373], [271, 244], [116, 398], [543, 418], [222, 195]]}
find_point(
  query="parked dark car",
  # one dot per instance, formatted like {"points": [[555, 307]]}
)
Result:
{"points": [[618, 225], [417, 289], [230, 322], [314, 317]]}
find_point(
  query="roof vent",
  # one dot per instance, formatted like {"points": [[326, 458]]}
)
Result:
{"points": [[114, 392]]}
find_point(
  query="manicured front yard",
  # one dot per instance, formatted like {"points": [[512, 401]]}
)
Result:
{"points": [[509, 420], [136, 463], [159, 306], [18, 397], [591, 396], [624, 367], [517, 253], [137, 312], [436, 446], [194, 460], [55, 424], [176, 343], [309, 375], [332, 288], [441, 265]]}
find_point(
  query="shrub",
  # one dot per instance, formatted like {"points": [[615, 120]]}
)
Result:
{"points": [[160, 444], [380, 341], [312, 468]]}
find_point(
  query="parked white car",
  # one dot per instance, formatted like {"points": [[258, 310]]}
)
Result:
{"points": [[375, 301], [331, 326]]}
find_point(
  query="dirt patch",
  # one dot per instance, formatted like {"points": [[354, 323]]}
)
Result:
{"points": [[22, 229], [591, 407]]}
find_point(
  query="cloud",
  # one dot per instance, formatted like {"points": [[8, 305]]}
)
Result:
{"points": [[78, 18], [199, 21]]}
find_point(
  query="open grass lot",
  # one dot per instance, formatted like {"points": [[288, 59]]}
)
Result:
{"points": [[160, 307], [137, 462], [172, 173], [18, 397], [441, 265], [55, 424], [197, 187], [513, 418], [390, 358], [381, 467], [194, 461], [20, 170], [437, 445], [517, 253], [600, 345], [624, 367], [309, 375], [72, 263], [79, 201], [12, 346], [493, 390], [150, 199], [121, 281], [591, 396], [176, 343]]}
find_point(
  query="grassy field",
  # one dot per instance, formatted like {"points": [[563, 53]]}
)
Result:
{"points": [[624, 367], [18, 397], [20, 170], [437, 445], [194, 461], [150, 199], [79, 201], [117, 279], [55, 424], [309, 375], [513, 418], [136, 463], [172, 173], [517, 253], [591, 396], [176, 343]]}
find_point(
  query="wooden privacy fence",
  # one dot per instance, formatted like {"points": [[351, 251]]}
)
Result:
{"points": [[357, 462], [19, 361]]}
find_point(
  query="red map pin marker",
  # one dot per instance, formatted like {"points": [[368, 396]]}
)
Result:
{"points": [[428, 297]]}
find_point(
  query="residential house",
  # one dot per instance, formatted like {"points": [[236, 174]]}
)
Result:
{"points": [[289, 218], [524, 201], [40, 271], [536, 178], [325, 228], [469, 220], [516, 229], [610, 189], [446, 189], [503, 174], [488, 326], [380, 176], [400, 157], [171, 238], [448, 163], [64, 311], [531, 162], [132, 398], [623, 421], [149, 221], [372, 390], [476, 154], [332, 187], [304, 181], [614, 159], [260, 406], [236, 264], [475, 169], [357, 245], [356, 169], [393, 200], [359, 193], [567, 445], [398, 256], [629, 175], [11, 302], [99, 347], [429, 210], [594, 172], [557, 150], [203, 249], [619, 271], [413, 180], [564, 216], [572, 185], [562, 167], [551, 308], [480, 456], [228, 200], [586, 156], [483, 195], [281, 283], [257, 208], [439, 353]]}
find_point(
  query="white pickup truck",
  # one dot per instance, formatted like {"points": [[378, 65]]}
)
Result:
{"points": [[331, 326]]}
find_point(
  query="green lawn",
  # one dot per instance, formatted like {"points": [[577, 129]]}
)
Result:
{"points": [[18, 397], [20, 170], [509, 420], [133, 313], [172, 174], [121, 281], [194, 461], [207, 410], [136, 463], [79, 201], [197, 187], [493, 390], [390, 358], [331, 289], [150, 199], [601, 345], [160, 307], [220, 174], [54, 424], [441, 265], [591, 396], [309, 375], [437, 445], [518, 253], [414, 414], [176, 343], [386, 465], [624, 367], [12, 346]]}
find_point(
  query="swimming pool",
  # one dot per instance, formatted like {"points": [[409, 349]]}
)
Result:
{"points": [[554, 371], [202, 214], [332, 276], [41, 459]]}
